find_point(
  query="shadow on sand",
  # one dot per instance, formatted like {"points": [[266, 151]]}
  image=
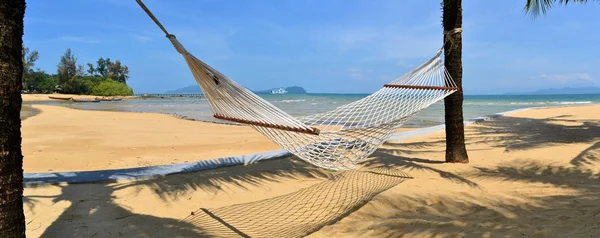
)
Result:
{"points": [[571, 214], [299, 213], [93, 213], [514, 133]]}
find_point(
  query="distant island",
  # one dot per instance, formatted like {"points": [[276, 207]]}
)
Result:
{"points": [[196, 89], [557, 91]]}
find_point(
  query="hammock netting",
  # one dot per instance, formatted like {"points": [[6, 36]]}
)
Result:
{"points": [[338, 139]]}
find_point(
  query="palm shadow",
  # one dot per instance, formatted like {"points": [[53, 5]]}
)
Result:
{"points": [[572, 213], [498, 215], [306, 210], [241, 176], [514, 133], [94, 213], [387, 158], [589, 156]]}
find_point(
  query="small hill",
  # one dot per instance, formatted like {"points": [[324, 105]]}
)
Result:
{"points": [[296, 89]]}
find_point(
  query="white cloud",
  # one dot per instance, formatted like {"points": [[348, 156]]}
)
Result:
{"points": [[358, 76], [355, 73], [381, 42], [406, 64], [361, 74], [386, 78], [353, 69], [141, 38], [209, 41]]}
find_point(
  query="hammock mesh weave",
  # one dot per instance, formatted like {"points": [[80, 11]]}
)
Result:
{"points": [[338, 139]]}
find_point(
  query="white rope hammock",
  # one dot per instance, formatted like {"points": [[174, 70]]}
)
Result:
{"points": [[338, 139]]}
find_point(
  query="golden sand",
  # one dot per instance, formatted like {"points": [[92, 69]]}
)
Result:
{"points": [[63, 139], [59, 139], [534, 173]]}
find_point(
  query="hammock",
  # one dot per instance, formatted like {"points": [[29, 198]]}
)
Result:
{"points": [[338, 139]]}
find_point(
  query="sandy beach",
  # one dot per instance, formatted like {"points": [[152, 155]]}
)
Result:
{"points": [[59, 139], [62, 139], [534, 173]]}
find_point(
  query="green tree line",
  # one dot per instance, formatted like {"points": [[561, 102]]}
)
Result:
{"points": [[102, 78]]}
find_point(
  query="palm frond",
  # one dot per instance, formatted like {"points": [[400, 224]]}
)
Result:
{"points": [[535, 7]]}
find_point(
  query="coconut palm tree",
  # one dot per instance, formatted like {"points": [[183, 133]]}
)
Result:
{"points": [[535, 7], [456, 151], [12, 219]]}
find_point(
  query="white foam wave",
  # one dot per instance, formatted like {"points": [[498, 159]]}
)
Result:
{"points": [[582, 102], [531, 103], [290, 100]]}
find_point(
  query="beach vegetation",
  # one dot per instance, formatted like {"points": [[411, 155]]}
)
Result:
{"points": [[102, 78], [111, 87], [29, 59]]}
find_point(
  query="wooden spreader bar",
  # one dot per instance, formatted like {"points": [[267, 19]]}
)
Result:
{"points": [[313, 131], [420, 87]]}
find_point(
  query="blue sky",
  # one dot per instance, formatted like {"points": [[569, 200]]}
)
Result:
{"points": [[325, 46]]}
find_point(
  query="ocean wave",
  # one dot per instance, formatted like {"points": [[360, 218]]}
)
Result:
{"points": [[531, 103], [290, 100], [582, 102]]}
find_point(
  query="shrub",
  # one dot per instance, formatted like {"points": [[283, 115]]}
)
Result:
{"points": [[40, 82], [77, 86], [110, 87]]}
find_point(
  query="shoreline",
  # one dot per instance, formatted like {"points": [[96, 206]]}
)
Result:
{"points": [[149, 172], [39, 99], [35, 99]]}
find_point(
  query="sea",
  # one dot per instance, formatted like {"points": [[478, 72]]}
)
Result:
{"points": [[197, 108]]}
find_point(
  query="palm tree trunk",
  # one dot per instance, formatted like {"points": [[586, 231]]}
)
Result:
{"points": [[456, 151], [12, 219]]}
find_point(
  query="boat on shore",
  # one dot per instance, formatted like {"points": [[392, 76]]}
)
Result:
{"points": [[60, 98], [108, 99], [85, 100]]}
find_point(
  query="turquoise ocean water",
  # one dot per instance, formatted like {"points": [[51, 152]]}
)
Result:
{"points": [[306, 104]]}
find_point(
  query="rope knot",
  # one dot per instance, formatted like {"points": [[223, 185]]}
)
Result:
{"points": [[449, 35], [453, 31]]}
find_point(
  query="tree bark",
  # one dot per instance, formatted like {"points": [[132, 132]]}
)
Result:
{"points": [[456, 151], [12, 219]]}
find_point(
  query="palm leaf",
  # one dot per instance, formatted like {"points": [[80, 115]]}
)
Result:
{"points": [[535, 7]]}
